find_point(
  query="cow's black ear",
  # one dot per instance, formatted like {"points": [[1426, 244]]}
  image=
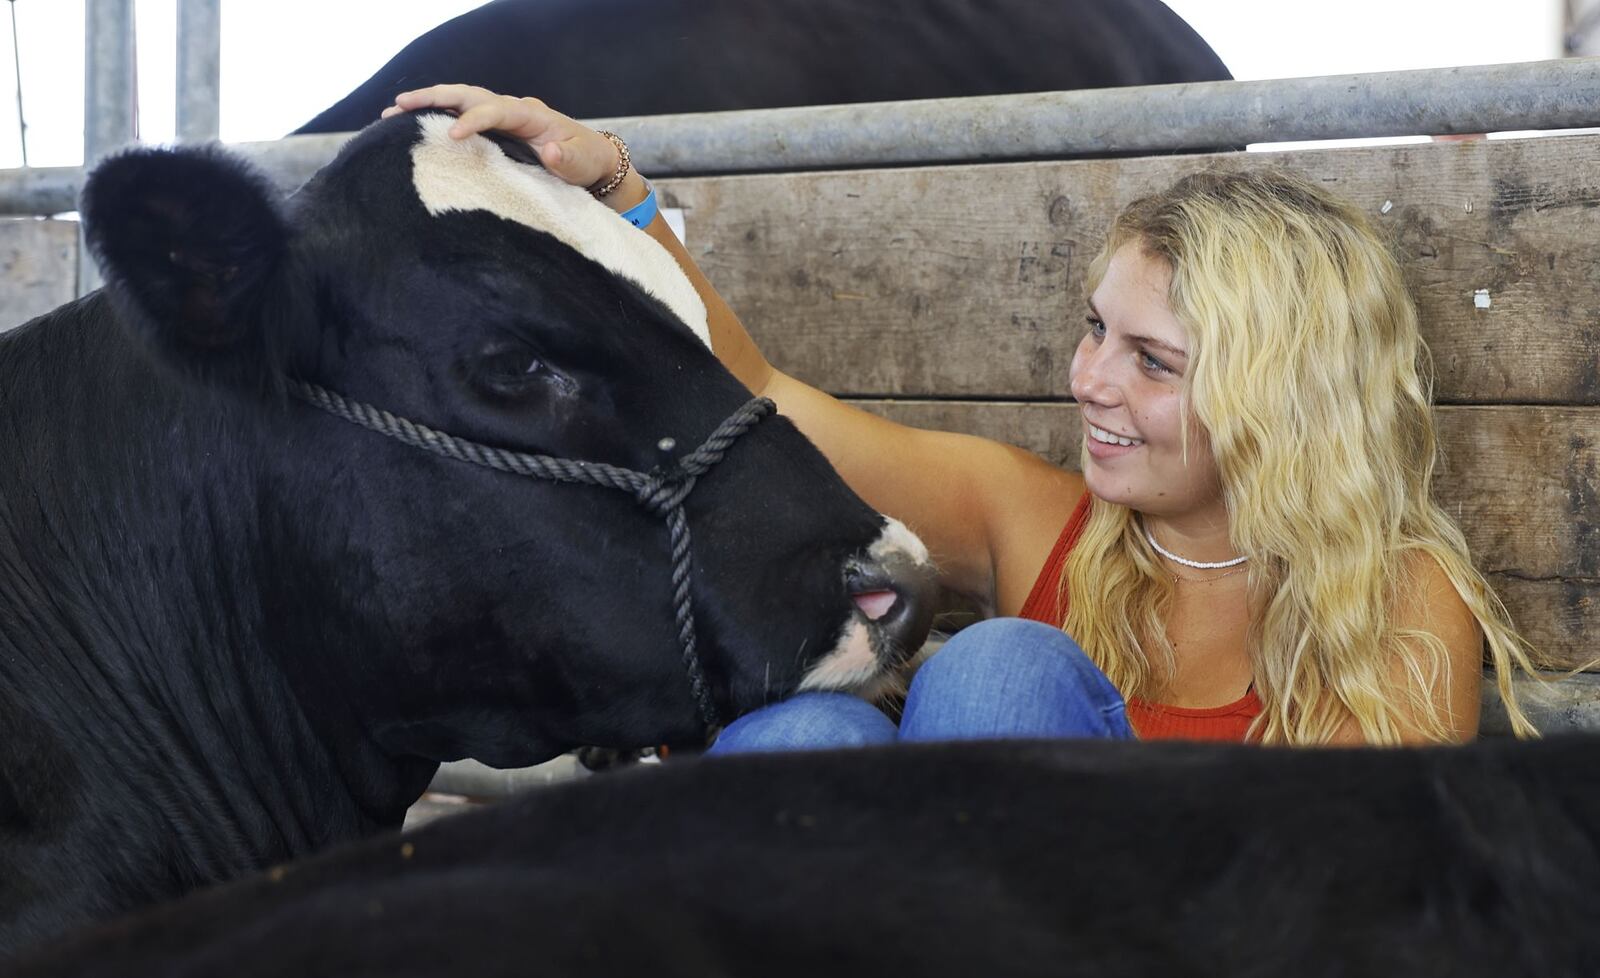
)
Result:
{"points": [[198, 257]]}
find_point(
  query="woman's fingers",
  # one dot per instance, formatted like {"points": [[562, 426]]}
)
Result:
{"points": [[479, 110], [454, 97], [567, 148]]}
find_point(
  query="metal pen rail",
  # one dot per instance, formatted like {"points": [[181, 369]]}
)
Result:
{"points": [[1563, 94]]}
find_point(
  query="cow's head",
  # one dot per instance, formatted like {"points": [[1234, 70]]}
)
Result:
{"points": [[456, 610]]}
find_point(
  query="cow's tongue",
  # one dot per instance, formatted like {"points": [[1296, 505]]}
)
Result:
{"points": [[874, 604]]}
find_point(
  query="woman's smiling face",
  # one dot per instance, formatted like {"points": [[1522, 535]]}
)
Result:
{"points": [[1127, 375]]}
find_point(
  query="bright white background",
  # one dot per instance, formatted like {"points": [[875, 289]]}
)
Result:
{"points": [[283, 61]]}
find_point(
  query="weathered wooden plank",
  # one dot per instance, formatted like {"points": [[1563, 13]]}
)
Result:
{"points": [[475, 780], [1523, 482], [38, 263], [968, 281], [1559, 617], [1567, 705]]}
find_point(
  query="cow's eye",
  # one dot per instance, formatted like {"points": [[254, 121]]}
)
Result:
{"points": [[509, 371]]}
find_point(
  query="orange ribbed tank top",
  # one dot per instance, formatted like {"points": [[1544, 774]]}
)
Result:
{"points": [[1151, 721]]}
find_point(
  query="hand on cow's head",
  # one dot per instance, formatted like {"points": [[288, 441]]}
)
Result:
{"points": [[566, 147], [196, 254]]}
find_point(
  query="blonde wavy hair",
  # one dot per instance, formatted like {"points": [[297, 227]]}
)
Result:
{"points": [[1307, 371]]}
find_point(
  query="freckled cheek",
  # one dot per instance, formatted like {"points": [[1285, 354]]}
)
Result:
{"points": [[1159, 422], [1205, 460]]}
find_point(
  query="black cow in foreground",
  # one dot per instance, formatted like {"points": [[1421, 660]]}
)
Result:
{"points": [[595, 58], [1101, 860], [235, 629]]}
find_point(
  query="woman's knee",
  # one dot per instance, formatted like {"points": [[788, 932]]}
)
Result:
{"points": [[807, 721], [1014, 678], [1007, 651]]}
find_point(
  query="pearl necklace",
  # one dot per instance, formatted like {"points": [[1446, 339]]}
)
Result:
{"points": [[1196, 564]]}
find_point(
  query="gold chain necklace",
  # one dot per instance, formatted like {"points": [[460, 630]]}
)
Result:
{"points": [[1207, 580]]}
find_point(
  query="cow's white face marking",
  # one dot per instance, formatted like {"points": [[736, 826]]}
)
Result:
{"points": [[853, 665], [897, 539], [473, 174]]}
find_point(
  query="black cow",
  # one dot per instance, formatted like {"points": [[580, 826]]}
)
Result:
{"points": [[235, 629], [1099, 860], [594, 58]]}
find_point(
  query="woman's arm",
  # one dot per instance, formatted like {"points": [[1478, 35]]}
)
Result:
{"points": [[988, 512]]}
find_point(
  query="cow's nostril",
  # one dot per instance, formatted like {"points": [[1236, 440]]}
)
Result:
{"points": [[892, 594], [875, 604]]}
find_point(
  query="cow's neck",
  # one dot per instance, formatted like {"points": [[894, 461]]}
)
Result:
{"points": [[133, 598]]}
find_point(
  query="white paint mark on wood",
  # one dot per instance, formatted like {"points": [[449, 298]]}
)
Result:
{"points": [[674, 218]]}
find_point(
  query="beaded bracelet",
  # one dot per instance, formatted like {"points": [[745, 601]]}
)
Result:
{"points": [[623, 163]]}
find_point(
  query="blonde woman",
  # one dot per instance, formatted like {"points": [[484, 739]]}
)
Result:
{"points": [[1251, 551]]}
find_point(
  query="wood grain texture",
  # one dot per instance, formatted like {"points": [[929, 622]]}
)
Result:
{"points": [[1522, 482], [38, 265], [1560, 705], [967, 281]]}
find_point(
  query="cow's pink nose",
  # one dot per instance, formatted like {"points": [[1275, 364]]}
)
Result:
{"points": [[894, 596], [875, 604]]}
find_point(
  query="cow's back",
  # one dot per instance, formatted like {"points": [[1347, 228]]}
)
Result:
{"points": [[715, 55], [1057, 859]]}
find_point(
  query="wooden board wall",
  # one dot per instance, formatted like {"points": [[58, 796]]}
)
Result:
{"points": [[38, 268], [968, 281], [952, 297]]}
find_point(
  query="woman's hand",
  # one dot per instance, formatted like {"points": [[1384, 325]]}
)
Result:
{"points": [[567, 148]]}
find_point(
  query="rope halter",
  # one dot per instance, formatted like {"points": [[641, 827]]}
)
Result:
{"points": [[661, 491]]}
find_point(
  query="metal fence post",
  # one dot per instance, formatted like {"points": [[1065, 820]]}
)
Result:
{"points": [[110, 95], [199, 69]]}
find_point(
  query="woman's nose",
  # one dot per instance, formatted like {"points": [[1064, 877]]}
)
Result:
{"points": [[1089, 377]]}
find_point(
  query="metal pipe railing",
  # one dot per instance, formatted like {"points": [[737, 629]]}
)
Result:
{"points": [[199, 69], [1198, 116], [110, 92], [109, 88]]}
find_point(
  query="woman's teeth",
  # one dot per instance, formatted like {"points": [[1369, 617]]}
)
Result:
{"points": [[1102, 435]]}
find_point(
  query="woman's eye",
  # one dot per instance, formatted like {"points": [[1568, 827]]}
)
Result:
{"points": [[1097, 327], [1153, 365]]}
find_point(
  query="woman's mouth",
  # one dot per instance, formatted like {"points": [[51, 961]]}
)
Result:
{"points": [[1108, 444]]}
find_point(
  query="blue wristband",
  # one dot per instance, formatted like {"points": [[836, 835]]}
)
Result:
{"points": [[641, 214]]}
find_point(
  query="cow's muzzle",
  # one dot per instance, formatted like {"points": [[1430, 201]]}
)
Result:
{"points": [[894, 596], [892, 593]]}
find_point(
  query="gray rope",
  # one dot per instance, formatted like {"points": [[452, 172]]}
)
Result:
{"points": [[661, 492]]}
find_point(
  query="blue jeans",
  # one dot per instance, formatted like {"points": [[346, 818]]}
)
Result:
{"points": [[999, 679]]}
